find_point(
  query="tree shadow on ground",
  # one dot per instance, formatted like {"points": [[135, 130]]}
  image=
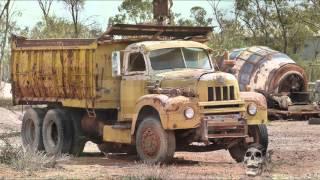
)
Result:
{"points": [[116, 159]]}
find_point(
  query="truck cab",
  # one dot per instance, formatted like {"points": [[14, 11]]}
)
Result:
{"points": [[171, 96]]}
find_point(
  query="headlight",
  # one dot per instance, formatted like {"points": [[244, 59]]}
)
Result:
{"points": [[189, 113], [252, 109]]}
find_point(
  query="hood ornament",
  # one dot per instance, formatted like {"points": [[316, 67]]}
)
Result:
{"points": [[220, 80]]}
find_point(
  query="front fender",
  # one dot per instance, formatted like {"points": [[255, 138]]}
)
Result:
{"points": [[262, 115], [170, 109]]}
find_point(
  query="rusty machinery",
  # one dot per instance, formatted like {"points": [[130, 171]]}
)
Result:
{"points": [[274, 74], [261, 69], [161, 11]]}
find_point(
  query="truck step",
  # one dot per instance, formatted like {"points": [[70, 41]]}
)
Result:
{"points": [[118, 135]]}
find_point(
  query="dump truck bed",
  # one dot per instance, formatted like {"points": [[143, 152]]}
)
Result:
{"points": [[78, 72], [52, 70]]}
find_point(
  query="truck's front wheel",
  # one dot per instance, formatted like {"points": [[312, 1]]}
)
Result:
{"points": [[260, 136], [153, 143]]}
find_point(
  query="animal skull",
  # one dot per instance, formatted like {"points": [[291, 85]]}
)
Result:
{"points": [[254, 159]]}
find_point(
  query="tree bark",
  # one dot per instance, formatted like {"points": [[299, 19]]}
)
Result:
{"points": [[6, 6], [74, 7], [283, 27], [4, 40], [45, 6]]}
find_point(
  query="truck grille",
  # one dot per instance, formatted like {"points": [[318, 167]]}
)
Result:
{"points": [[221, 93]]}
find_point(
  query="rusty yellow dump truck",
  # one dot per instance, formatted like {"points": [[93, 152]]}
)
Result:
{"points": [[145, 89]]}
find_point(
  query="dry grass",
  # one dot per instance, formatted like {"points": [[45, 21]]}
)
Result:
{"points": [[4, 102], [150, 172], [20, 159], [163, 172]]}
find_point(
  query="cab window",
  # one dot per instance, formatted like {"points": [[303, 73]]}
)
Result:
{"points": [[136, 62]]}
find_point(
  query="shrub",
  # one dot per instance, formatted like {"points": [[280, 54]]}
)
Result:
{"points": [[21, 159], [150, 172]]}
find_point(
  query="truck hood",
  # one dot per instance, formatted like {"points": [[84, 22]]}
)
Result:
{"points": [[189, 78], [194, 74], [183, 74]]}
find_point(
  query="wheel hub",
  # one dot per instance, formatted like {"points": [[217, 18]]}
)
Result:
{"points": [[150, 142], [53, 134], [31, 131]]}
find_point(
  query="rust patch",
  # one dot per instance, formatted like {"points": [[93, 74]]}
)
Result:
{"points": [[264, 69], [281, 81], [257, 98], [150, 142], [173, 104]]}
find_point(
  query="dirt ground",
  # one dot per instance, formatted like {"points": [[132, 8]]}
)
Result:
{"points": [[295, 146]]}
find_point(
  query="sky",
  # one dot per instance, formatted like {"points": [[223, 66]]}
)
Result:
{"points": [[99, 10]]}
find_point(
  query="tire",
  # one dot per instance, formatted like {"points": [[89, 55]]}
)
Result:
{"points": [[57, 132], [151, 133], [31, 129], [109, 147], [78, 139], [260, 136]]}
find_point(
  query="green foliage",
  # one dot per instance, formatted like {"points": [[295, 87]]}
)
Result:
{"points": [[133, 11], [310, 15], [60, 28], [75, 7], [7, 26], [140, 11], [273, 23], [312, 68], [198, 17]]}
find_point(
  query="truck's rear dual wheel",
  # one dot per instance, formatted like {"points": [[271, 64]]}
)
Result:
{"points": [[78, 140], [31, 129], [153, 143], [57, 132], [260, 136]]}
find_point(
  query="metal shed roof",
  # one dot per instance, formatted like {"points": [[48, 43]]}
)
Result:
{"points": [[177, 32]]}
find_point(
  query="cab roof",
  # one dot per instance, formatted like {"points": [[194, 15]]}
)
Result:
{"points": [[154, 45]]}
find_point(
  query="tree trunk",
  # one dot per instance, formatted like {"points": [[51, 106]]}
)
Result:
{"points": [[283, 26], [4, 40], [285, 42]]}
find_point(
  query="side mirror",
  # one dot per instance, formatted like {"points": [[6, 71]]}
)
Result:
{"points": [[116, 65]]}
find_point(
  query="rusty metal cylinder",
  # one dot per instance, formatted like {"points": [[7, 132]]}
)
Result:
{"points": [[260, 68]]}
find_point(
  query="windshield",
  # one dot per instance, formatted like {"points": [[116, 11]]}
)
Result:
{"points": [[171, 58]]}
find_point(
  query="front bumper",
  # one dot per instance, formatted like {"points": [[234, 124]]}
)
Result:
{"points": [[223, 119], [223, 126]]}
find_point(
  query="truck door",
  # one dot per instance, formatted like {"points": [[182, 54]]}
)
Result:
{"points": [[132, 84]]}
